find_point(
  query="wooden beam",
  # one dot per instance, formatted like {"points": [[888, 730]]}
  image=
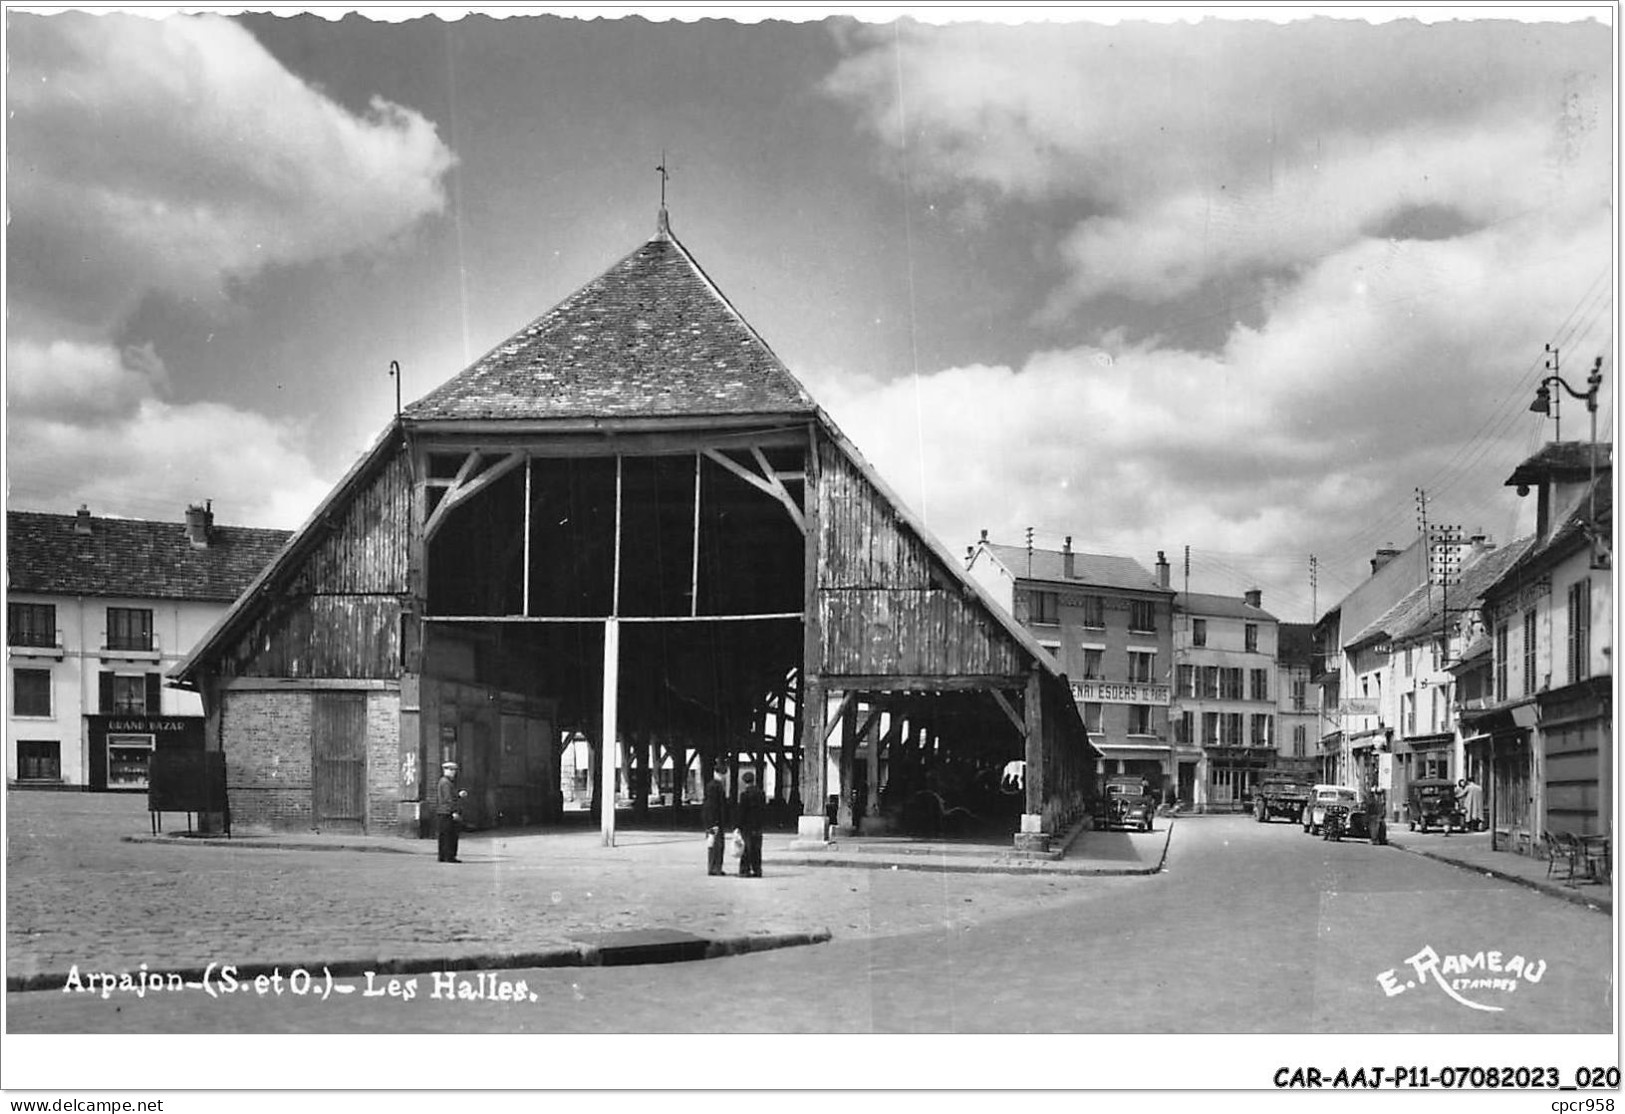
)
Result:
{"points": [[779, 491], [465, 489], [840, 714], [1033, 779], [768, 485], [1010, 712]]}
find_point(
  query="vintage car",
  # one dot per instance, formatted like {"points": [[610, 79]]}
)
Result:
{"points": [[1314, 811], [1345, 821], [1433, 804], [1129, 804], [1280, 795]]}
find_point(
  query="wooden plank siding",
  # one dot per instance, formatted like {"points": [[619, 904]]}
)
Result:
{"points": [[884, 606], [337, 612]]}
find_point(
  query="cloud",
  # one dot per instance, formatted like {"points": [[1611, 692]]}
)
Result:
{"points": [[175, 156], [1386, 366], [178, 155], [1233, 149], [87, 425]]}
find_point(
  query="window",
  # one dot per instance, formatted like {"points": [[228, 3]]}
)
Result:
{"points": [[1501, 659], [31, 692], [1140, 665], [1094, 611], [1043, 607], [1300, 739], [1408, 712], [1300, 695], [129, 628], [1139, 719], [1094, 718], [1092, 664], [1410, 661], [1054, 649], [39, 760], [31, 624], [1230, 729], [1184, 729], [1210, 681], [1579, 647], [1261, 731], [1198, 632], [1252, 638], [129, 757], [1187, 680], [1230, 684], [1528, 652], [1142, 615], [129, 694], [1260, 684]]}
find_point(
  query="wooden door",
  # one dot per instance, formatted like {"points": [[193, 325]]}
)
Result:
{"points": [[338, 760]]}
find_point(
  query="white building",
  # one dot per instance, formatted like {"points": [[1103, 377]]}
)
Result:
{"points": [[98, 610]]}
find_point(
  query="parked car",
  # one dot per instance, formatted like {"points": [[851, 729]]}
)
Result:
{"points": [[1314, 811], [1345, 821], [1280, 795], [1433, 804], [1129, 803]]}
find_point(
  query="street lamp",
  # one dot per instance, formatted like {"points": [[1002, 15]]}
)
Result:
{"points": [[1545, 403]]}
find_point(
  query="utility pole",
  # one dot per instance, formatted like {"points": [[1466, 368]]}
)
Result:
{"points": [[1314, 585]]}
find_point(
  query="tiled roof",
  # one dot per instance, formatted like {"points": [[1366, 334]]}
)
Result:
{"points": [[1093, 570], [133, 558], [650, 337], [1219, 607], [1574, 527], [1421, 610], [1570, 460]]}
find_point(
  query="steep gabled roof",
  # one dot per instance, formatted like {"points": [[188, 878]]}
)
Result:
{"points": [[1089, 570], [650, 337], [50, 554], [1421, 613]]}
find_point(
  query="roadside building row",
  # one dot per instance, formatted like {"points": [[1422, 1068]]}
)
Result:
{"points": [[1462, 659]]}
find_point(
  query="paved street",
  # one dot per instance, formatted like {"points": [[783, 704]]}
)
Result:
{"points": [[1251, 928]]}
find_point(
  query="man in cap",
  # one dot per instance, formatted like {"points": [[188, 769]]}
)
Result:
{"points": [[446, 812]]}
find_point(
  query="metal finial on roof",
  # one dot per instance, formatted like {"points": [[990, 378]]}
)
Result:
{"points": [[663, 224]]}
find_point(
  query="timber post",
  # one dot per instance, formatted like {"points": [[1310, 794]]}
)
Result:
{"points": [[1032, 836]]}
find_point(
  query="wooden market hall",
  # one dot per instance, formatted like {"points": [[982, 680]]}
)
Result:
{"points": [[630, 522]]}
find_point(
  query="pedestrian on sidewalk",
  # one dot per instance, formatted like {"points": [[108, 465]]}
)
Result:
{"points": [[1470, 799], [448, 811], [752, 815], [713, 812]]}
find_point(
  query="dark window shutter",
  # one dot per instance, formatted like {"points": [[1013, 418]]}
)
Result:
{"points": [[154, 688], [105, 691]]}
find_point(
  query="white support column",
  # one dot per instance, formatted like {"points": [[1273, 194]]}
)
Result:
{"points": [[607, 747]]}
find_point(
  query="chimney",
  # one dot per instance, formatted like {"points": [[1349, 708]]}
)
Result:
{"points": [[1069, 565], [1254, 597], [199, 524], [1162, 569], [1382, 558], [81, 520]]}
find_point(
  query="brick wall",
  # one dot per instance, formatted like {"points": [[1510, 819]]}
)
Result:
{"points": [[267, 741], [266, 737], [383, 763]]}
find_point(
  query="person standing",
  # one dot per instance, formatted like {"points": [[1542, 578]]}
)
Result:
{"points": [[713, 810], [1470, 799], [448, 812], [752, 816]]}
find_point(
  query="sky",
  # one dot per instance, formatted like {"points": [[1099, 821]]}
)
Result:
{"points": [[1185, 279]]}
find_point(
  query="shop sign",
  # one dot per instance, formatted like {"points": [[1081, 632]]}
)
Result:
{"points": [[1119, 692]]}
